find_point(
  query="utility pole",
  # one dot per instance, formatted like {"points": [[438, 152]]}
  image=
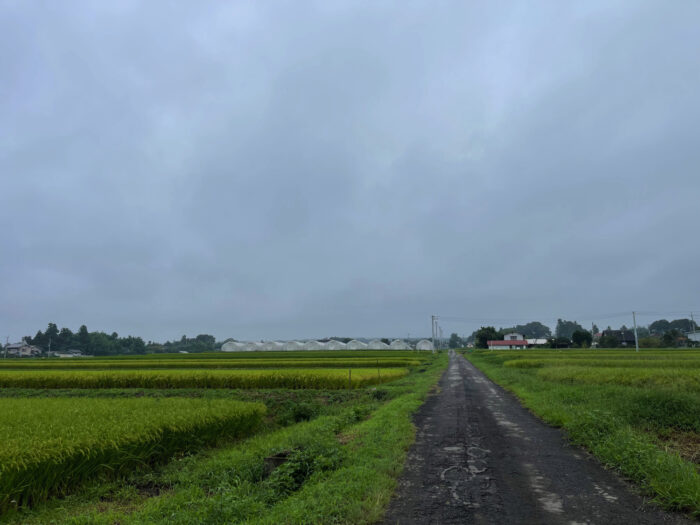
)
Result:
{"points": [[7, 342], [432, 327], [636, 339], [693, 328]]}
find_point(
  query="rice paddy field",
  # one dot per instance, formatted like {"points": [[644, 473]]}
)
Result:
{"points": [[638, 412], [188, 438]]}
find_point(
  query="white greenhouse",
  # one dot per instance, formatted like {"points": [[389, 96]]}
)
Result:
{"points": [[398, 344], [233, 346], [377, 344], [292, 345], [314, 345], [335, 345], [271, 346], [424, 344], [355, 345]]}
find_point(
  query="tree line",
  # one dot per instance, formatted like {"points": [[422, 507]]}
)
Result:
{"points": [[659, 334], [63, 340]]}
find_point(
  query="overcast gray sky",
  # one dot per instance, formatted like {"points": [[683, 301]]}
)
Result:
{"points": [[306, 169]]}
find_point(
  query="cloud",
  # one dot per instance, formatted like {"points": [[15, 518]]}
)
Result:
{"points": [[304, 170]]}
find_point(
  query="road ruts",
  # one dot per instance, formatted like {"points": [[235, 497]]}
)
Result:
{"points": [[480, 457]]}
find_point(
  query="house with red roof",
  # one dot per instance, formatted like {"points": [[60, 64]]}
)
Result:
{"points": [[512, 341]]}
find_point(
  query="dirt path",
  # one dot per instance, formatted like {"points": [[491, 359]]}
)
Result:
{"points": [[480, 457]]}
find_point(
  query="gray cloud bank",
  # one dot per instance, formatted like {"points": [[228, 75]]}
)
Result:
{"points": [[299, 169]]}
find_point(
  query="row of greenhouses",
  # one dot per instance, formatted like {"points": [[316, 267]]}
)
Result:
{"points": [[354, 344]]}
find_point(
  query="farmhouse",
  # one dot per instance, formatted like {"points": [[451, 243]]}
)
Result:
{"points": [[512, 341], [22, 350]]}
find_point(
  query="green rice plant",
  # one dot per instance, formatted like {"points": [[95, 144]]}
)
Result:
{"points": [[601, 363], [286, 354], [114, 364], [687, 379], [287, 378], [52, 445]]}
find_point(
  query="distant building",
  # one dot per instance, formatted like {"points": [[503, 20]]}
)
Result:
{"points": [[22, 350], [694, 336], [67, 354], [536, 342], [511, 341], [624, 337]]}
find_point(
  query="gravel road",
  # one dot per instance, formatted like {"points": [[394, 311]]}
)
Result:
{"points": [[480, 457]]}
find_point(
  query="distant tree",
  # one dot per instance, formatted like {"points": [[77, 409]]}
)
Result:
{"points": [[484, 334], [682, 325], [624, 327], [642, 331], [64, 340], [209, 341], [534, 330], [595, 329], [582, 338], [608, 341], [564, 328], [649, 342], [670, 338], [83, 338], [559, 342], [455, 341], [38, 340], [386, 341], [52, 332], [659, 327], [114, 335]]}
